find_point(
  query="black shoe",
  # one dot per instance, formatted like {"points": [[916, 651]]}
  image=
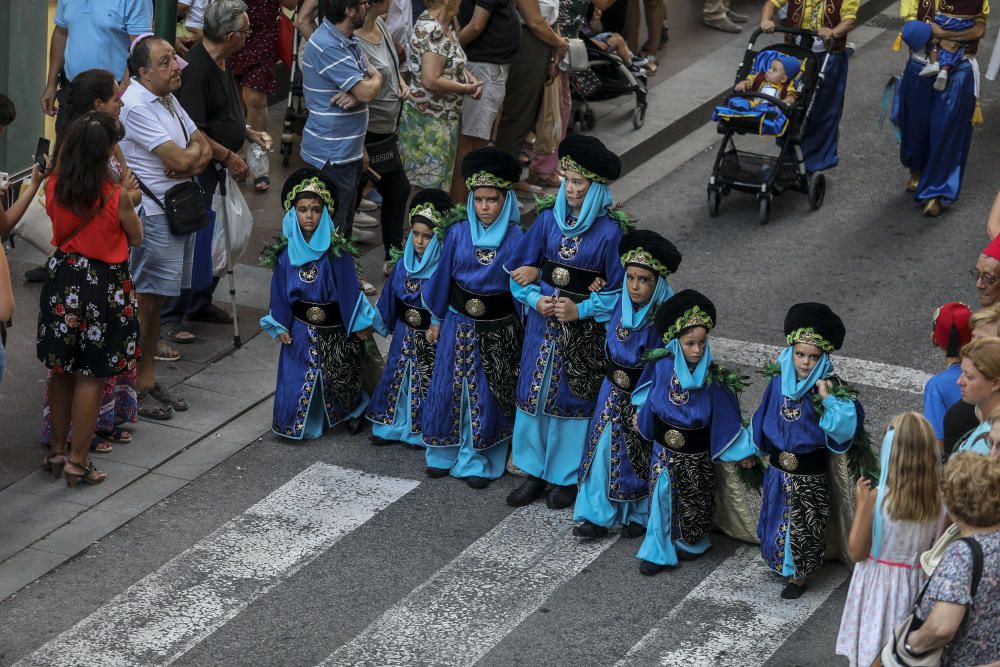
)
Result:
{"points": [[532, 489], [793, 591], [37, 274], [588, 530], [633, 530], [477, 482], [650, 569], [382, 442], [436, 473], [356, 424], [561, 497], [687, 555]]}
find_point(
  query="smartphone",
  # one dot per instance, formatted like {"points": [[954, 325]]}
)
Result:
{"points": [[41, 151]]}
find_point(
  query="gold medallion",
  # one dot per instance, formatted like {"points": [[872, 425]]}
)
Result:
{"points": [[788, 461], [620, 378], [412, 317], [560, 276], [674, 439], [315, 315], [475, 307]]}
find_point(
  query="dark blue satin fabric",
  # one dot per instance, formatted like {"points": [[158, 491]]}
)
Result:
{"points": [[949, 136], [819, 142], [914, 116]]}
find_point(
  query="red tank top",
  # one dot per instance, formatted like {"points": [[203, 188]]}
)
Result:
{"points": [[102, 239]]}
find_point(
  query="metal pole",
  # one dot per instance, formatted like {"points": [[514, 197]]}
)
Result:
{"points": [[222, 217], [165, 19]]}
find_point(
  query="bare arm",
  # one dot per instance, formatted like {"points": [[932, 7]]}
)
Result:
{"points": [[940, 627], [767, 12], [975, 32], [475, 27], [367, 89], [6, 290], [129, 184], [431, 78], [129, 220], [532, 15], [57, 58], [993, 222], [305, 20], [8, 219], [185, 162], [859, 543]]}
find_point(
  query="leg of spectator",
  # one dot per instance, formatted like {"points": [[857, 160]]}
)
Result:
{"points": [[466, 145], [655, 13], [346, 178], [544, 166], [631, 31], [149, 336], [395, 190], [713, 14], [256, 104], [87, 393], [523, 93], [60, 402]]}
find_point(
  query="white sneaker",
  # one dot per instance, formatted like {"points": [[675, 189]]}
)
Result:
{"points": [[362, 235], [941, 82], [364, 220], [367, 206], [930, 69]]}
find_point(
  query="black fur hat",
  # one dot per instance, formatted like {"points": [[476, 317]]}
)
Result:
{"points": [[816, 324], [646, 248], [591, 158], [490, 167], [684, 310]]}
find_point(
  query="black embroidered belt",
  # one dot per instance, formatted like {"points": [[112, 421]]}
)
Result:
{"points": [[481, 307], [573, 283], [681, 440], [413, 316], [317, 314], [813, 463], [624, 378]]}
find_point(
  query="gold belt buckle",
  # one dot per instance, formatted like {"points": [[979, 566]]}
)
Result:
{"points": [[620, 378], [560, 276], [475, 307], [413, 317], [788, 461], [674, 439], [315, 315]]}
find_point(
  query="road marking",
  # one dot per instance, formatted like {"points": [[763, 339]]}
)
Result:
{"points": [[471, 604], [158, 619], [855, 371], [733, 617]]}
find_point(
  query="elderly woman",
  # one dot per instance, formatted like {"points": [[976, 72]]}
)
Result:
{"points": [[428, 131], [954, 612]]}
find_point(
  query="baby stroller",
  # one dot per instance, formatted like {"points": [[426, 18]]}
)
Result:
{"points": [[596, 75], [295, 112], [765, 175]]}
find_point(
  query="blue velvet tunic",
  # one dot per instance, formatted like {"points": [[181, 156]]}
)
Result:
{"points": [[459, 388]]}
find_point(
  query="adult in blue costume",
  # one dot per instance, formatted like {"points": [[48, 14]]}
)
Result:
{"points": [[831, 20], [568, 272], [915, 92], [317, 313], [468, 416], [395, 406], [800, 419], [615, 468], [689, 408]]}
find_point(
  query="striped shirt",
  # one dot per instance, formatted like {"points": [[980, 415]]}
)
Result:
{"points": [[332, 63]]}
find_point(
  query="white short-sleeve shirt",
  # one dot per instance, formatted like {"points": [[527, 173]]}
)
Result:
{"points": [[195, 17], [149, 124]]}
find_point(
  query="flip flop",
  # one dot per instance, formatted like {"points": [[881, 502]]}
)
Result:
{"points": [[168, 397], [119, 435], [150, 408], [178, 336], [165, 353], [262, 183], [99, 445]]}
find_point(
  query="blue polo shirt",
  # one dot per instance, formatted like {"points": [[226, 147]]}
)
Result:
{"points": [[98, 32], [332, 63], [940, 393]]}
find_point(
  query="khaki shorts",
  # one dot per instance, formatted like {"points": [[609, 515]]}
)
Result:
{"points": [[479, 116]]}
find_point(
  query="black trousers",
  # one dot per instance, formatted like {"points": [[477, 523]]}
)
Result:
{"points": [[395, 190]]}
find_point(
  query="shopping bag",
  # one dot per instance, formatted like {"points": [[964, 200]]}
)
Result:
{"points": [[234, 213], [548, 130], [35, 226]]}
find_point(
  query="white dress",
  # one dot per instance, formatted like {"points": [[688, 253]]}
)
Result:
{"points": [[882, 592]]}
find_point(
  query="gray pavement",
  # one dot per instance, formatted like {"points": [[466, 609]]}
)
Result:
{"points": [[66, 556]]}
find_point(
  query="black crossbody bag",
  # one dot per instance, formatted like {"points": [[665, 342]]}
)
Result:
{"points": [[184, 203]]}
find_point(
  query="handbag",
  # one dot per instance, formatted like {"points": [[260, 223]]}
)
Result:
{"points": [[383, 155], [895, 653]]}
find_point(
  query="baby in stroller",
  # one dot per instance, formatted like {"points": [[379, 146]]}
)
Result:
{"points": [[612, 41], [774, 74]]}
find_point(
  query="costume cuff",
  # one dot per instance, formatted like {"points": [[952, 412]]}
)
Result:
{"points": [[740, 448], [271, 326]]}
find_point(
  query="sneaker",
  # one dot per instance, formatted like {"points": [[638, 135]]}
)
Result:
{"points": [[363, 235], [362, 219], [941, 81], [929, 70], [367, 205], [723, 24], [736, 17], [638, 62]]}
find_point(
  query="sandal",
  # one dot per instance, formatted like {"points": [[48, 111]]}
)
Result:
{"points": [[165, 353], [99, 445], [262, 183], [168, 397], [119, 435], [55, 463], [87, 474], [177, 335], [150, 408]]}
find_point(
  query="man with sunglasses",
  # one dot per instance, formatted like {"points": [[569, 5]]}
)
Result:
{"points": [[987, 274]]}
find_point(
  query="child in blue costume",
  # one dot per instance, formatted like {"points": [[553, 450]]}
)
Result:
{"points": [[468, 415], [802, 417], [615, 468], [689, 408], [317, 313], [570, 250], [395, 406]]}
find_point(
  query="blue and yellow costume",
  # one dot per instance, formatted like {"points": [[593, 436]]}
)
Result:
{"points": [[562, 365], [613, 477], [316, 299], [468, 416], [396, 403]]}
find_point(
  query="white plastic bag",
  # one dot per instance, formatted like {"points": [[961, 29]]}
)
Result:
{"points": [[234, 213], [35, 227], [257, 161]]}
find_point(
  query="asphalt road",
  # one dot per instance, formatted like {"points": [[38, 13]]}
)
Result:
{"points": [[409, 567]]}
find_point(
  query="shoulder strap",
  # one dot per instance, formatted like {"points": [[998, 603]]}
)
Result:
{"points": [[148, 192], [977, 563]]}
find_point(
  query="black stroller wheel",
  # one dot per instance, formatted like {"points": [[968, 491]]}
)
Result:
{"points": [[764, 207], [817, 190], [638, 116], [714, 200]]}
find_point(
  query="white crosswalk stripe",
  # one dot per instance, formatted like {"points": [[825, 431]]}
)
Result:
{"points": [[732, 617], [472, 603], [164, 615]]}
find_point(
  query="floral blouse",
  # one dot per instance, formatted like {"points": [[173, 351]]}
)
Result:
{"points": [[429, 37]]}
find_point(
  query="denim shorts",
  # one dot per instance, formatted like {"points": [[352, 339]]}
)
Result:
{"points": [[162, 264]]}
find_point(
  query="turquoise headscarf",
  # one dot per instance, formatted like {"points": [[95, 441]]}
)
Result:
{"points": [[687, 378], [595, 203], [490, 237], [421, 268], [791, 385], [880, 494], [300, 251], [632, 319]]}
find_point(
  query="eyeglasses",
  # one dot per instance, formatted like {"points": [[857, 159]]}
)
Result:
{"points": [[987, 278], [246, 33]]}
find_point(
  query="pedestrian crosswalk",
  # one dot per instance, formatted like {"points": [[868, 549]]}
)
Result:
{"points": [[461, 613]]}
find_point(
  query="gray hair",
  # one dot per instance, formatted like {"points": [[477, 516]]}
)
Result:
{"points": [[222, 18]]}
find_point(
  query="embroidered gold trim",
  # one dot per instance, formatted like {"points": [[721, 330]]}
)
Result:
{"points": [[484, 179], [569, 164], [642, 257], [314, 185], [426, 211], [809, 335], [693, 317]]}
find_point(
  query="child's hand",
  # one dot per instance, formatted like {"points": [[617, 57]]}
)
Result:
{"points": [[284, 338], [433, 331], [823, 388], [598, 284], [546, 306], [565, 310], [747, 462], [865, 492], [525, 275], [742, 86], [364, 334]]}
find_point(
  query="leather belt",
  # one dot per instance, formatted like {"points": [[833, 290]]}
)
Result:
{"points": [[681, 440], [481, 307], [625, 378], [413, 316], [573, 283], [317, 314], [812, 463]]}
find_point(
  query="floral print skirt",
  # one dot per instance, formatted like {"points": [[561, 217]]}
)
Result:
{"points": [[427, 146], [87, 319]]}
